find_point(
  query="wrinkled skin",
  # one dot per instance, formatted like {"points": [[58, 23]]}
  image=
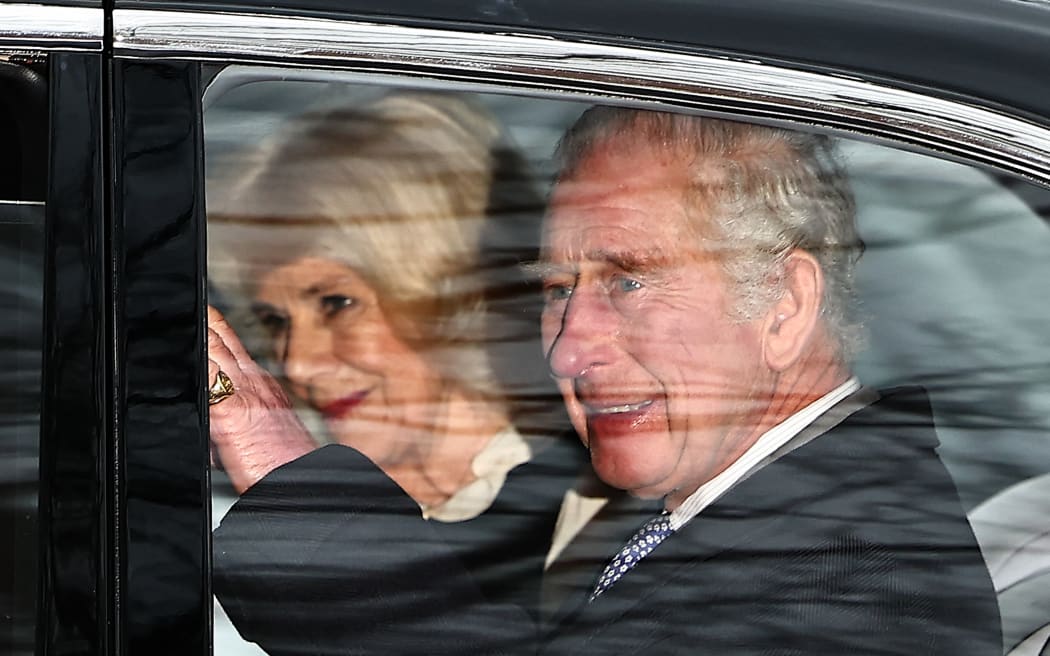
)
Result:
{"points": [[663, 385], [256, 430]]}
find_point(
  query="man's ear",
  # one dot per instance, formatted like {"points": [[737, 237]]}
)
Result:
{"points": [[791, 321]]}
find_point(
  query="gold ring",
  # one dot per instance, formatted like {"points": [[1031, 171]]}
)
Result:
{"points": [[221, 389]]}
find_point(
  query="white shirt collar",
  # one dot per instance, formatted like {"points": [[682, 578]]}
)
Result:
{"points": [[765, 446], [505, 451]]}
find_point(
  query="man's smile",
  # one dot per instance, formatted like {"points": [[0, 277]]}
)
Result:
{"points": [[619, 408]]}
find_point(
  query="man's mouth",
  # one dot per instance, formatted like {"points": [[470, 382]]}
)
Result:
{"points": [[619, 408]]}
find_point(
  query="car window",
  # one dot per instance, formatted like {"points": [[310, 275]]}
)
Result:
{"points": [[23, 133], [375, 248]]}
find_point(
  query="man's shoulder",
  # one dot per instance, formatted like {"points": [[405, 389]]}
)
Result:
{"points": [[870, 434], [898, 418], [874, 481], [856, 539]]}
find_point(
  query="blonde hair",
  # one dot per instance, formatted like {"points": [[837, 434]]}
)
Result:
{"points": [[403, 190]]}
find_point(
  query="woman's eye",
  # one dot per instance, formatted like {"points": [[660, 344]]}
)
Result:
{"points": [[272, 322], [332, 304]]}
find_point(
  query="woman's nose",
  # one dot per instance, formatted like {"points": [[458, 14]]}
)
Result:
{"points": [[307, 354]]}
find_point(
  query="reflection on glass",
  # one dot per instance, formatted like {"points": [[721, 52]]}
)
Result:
{"points": [[367, 256], [23, 181], [21, 293]]}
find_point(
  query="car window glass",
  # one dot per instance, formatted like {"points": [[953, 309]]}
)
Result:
{"points": [[323, 220], [23, 97]]}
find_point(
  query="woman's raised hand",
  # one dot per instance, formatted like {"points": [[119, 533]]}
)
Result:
{"points": [[254, 429]]}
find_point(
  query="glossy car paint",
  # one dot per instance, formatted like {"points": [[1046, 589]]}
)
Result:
{"points": [[124, 498], [124, 509], [77, 549], [159, 302], [988, 51]]}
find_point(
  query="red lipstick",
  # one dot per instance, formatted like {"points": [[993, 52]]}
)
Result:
{"points": [[343, 406]]}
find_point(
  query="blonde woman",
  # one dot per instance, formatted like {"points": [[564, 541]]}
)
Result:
{"points": [[374, 244]]}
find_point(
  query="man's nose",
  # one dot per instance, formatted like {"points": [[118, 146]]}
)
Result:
{"points": [[584, 335]]}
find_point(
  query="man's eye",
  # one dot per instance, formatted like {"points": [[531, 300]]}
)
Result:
{"points": [[332, 304], [627, 285], [554, 292]]}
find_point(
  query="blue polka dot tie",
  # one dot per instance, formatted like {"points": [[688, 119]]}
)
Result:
{"points": [[641, 544]]}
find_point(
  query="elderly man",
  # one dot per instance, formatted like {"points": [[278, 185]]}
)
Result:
{"points": [[697, 276]]}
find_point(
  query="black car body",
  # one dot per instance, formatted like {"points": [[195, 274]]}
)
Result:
{"points": [[104, 202]]}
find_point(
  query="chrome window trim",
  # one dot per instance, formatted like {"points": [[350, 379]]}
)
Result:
{"points": [[42, 27], [739, 86]]}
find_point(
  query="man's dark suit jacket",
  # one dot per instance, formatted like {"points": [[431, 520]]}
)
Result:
{"points": [[854, 543]]}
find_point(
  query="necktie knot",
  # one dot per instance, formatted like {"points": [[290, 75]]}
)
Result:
{"points": [[647, 538]]}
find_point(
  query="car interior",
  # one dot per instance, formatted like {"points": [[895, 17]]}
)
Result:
{"points": [[949, 286]]}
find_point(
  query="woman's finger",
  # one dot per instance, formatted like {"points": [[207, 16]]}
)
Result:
{"points": [[213, 370], [219, 351], [222, 328]]}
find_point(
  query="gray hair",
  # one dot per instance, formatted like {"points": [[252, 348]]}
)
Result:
{"points": [[766, 191]]}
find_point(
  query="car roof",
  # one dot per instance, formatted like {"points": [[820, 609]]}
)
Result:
{"points": [[992, 52]]}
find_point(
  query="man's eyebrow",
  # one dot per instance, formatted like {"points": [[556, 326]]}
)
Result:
{"points": [[629, 261], [540, 269], [633, 261]]}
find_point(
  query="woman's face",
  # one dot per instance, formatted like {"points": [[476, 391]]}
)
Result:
{"points": [[341, 355]]}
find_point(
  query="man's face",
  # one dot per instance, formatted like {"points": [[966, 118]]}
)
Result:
{"points": [[664, 388]]}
